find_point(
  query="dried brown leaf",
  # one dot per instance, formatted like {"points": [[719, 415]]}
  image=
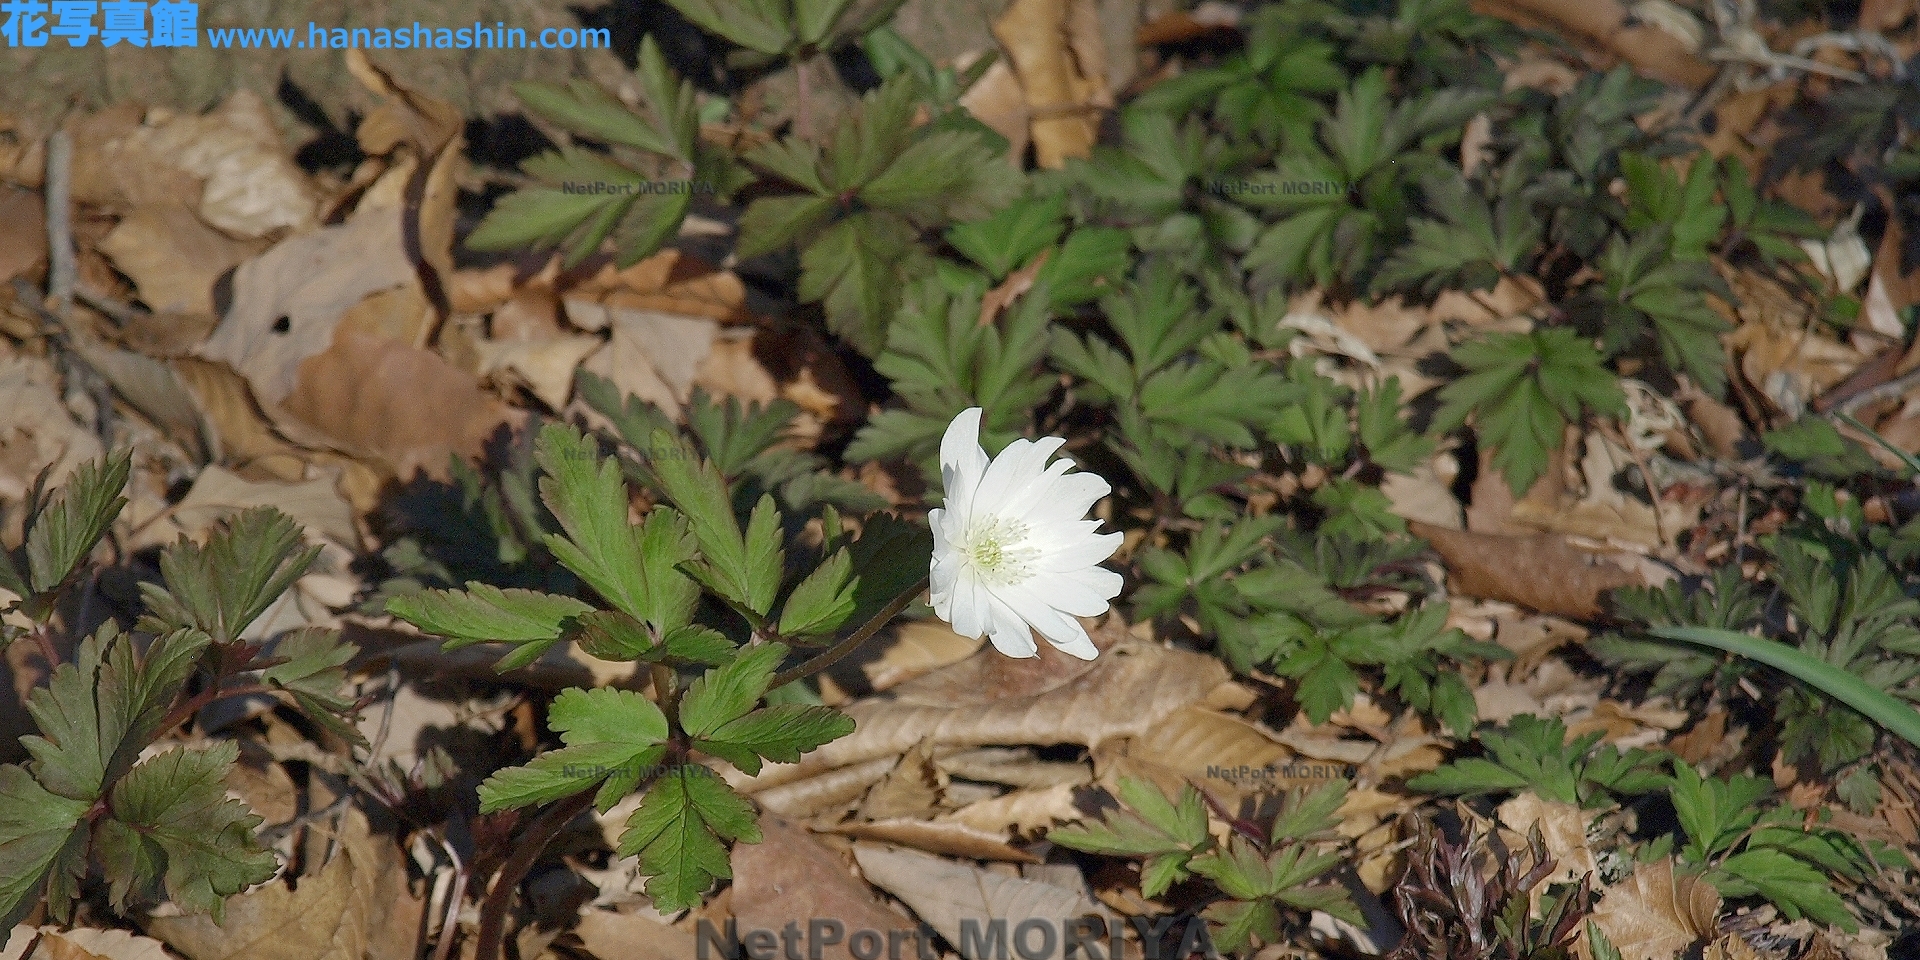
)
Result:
{"points": [[791, 874], [1544, 572], [358, 905], [1657, 914]]}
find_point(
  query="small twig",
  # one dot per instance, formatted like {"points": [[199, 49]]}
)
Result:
{"points": [[62, 266], [120, 313], [1893, 387], [272, 833], [1618, 435], [1740, 530], [852, 642], [386, 716], [456, 895], [181, 713], [45, 643], [526, 851]]}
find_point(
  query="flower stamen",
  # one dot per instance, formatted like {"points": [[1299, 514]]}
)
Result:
{"points": [[997, 549]]}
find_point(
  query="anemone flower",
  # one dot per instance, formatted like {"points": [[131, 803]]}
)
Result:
{"points": [[1013, 551]]}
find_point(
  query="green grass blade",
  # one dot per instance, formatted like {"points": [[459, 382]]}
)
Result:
{"points": [[1883, 709]]}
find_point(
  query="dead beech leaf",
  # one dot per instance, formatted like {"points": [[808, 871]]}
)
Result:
{"points": [[731, 370], [1657, 914], [81, 943], [546, 366], [1199, 743], [219, 493], [942, 835], [997, 101], [651, 355], [1128, 690], [1563, 826], [1012, 288], [250, 186], [1543, 572], [1013, 766], [173, 257], [288, 301], [669, 282], [790, 874], [917, 647], [36, 428], [610, 935], [1056, 50], [1023, 812], [404, 407], [822, 791], [913, 788], [943, 893], [23, 232], [988, 676], [357, 906]]}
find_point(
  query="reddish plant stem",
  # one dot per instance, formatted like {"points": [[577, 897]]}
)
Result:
{"points": [[494, 906]]}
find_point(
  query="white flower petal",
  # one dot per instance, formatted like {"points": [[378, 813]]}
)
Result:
{"points": [[962, 462], [1011, 635], [1100, 580], [1022, 463], [969, 607], [1068, 498], [1077, 553], [1037, 491]]}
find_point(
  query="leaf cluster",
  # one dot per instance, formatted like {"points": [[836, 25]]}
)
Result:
{"points": [[1533, 753], [1263, 871]]}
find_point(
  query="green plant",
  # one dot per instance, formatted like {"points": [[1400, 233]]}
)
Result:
{"points": [[662, 142], [1535, 754], [649, 580], [160, 825], [1777, 853], [1522, 389], [1262, 870]]}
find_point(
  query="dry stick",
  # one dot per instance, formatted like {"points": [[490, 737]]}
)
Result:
{"points": [[456, 895], [493, 908], [62, 265]]}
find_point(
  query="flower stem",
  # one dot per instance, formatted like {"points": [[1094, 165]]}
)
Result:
{"points": [[493, 907], [839, 650]]}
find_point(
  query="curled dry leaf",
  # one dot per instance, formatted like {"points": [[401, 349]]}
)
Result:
{"points": [[249, 185], [1610, 25], [1128, 691], [1544, 571], [23, 232], [790, 874], [173, 257], [80, 943], [288, 301], [1564, 828], [358, 905], [1057, 51], [1656, 914]]}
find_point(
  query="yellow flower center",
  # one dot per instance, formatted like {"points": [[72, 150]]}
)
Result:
{"points": [[996, 547]]}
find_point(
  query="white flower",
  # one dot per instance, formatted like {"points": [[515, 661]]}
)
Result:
{"points": [[1011, 548]]}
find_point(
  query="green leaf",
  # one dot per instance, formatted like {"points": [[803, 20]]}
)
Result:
{"points": [[222, 588], [1790, 884], [760, 25], [771, 223], [744, 568], [585, 108], [488, 614], [314, 672], [1092, 261], [37, 831], [98, 712], [63, 531], [852, 270], [1011, 237], [608, 733], [781, 733], [631, 566], [680, 832], [823, 601], [723, 695], [171, 817], [1522, 389], [1151, 826]]}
